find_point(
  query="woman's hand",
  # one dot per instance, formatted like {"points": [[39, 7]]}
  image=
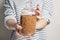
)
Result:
{"points": [[13, 26], [19, 34], [41, 23]]}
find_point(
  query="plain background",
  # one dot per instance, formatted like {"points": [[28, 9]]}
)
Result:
{"points": [[53, 30]]}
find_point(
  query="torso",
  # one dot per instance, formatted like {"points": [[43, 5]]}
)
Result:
{"points": [[22, 3]]}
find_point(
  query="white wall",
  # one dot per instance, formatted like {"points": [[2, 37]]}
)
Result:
{"points": [[53, 30]]}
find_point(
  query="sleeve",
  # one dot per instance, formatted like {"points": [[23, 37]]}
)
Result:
{"points": [[9, 13], [47, 10]]}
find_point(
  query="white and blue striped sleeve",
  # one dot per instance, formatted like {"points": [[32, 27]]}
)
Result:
{"points": [[47, 10], [9, 14]]}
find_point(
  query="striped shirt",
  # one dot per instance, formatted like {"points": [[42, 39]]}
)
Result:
{"points": [[13, 10]]}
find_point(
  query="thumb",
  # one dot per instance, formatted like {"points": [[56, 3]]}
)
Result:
{"points": [[19, 27]]}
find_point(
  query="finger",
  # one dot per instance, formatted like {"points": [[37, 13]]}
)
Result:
{"points": [[21, 35], [18, 34], [25, 36], [38, 7], [37, 12], [19, 27], [38, 18]]}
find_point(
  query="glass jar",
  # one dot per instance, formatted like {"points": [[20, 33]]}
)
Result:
{"points": [[28, 20]]}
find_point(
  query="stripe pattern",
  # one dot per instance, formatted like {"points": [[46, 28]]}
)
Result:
{"points": [[14, 12]]}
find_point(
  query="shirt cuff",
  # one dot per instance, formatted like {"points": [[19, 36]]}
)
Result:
{"points": [[9, 17]]}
